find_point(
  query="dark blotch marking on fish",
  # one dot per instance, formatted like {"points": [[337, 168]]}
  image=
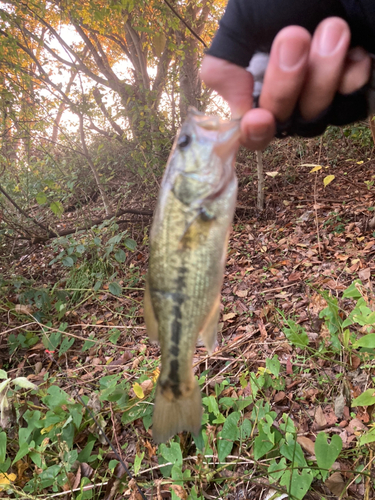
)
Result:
{"points": [[173, 381], [176, 323], [178, 300], [174, 350]]}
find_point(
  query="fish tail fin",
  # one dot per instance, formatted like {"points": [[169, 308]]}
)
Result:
{"points": [[173, 415]]}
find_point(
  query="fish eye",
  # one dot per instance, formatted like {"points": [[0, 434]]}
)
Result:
{"points": [[183, 141]]}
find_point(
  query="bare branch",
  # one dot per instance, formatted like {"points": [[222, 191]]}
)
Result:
{"points": [[21, 210], [93, 169], [139, 60], [99, 101]]}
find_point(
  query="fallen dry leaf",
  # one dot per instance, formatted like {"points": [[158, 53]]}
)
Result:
{"points": [[310, 394], [133, 490], [289, 367], [179, 490], [86, 470], [364, 274], [6, 479], [335, 483], [228, 316], [121, 360], [22, 309], [307, 444], [279, 396], [355, 361], [355, 425], [294, 277], [317, 303], [330, 416], [262, 328], [320, 418], [136, 362], [151, 450], [70, 480], [340, 402], [147, 386]]}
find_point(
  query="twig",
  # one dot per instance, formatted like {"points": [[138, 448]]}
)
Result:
{"points": [[186, 459], [18, 327], [235, 343], [356, 477], [279, 288], [114, 428], [368, 479], [64, 493], [235, 360], [315, 203], [78, 337], [260, 171], [96, 222], [120, 327]]}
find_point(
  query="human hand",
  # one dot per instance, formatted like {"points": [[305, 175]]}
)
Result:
{"points": [[302, 69]]}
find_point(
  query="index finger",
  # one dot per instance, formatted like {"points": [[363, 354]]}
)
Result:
{"points": [[232, 82]]}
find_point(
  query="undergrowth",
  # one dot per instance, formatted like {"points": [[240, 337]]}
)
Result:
{"points": [[50, 442], [278, 394]]}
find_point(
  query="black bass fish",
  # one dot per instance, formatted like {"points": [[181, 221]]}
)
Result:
{"points": [[188, 245]]}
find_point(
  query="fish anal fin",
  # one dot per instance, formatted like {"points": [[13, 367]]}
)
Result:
{"points": [[149, 315], [209, 331], [174, 415]]}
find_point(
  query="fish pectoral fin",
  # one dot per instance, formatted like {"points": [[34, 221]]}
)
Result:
{"points": [[149, 315], [175, 415], [209, 331]]}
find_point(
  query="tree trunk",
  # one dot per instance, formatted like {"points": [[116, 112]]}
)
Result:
{"points": [[190, 84]]}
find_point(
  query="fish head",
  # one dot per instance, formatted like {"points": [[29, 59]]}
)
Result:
{"points": [[201, 161]]}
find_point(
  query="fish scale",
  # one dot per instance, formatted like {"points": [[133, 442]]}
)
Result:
{"points": [[188, 243]]}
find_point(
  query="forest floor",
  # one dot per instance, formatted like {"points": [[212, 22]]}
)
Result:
{"points": [[286, 348]]}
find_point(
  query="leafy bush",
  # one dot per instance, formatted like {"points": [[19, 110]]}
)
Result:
{"points": [[92, 258]]}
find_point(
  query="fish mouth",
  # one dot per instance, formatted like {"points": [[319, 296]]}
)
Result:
{"points": [[211, 123], [225, 133]]}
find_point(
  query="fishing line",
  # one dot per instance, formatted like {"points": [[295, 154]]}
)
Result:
{"points": [[108, 441], [101, 431]]}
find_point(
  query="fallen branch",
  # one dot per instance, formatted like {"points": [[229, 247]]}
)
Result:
{"points": [[57, 234], [17, 207]]}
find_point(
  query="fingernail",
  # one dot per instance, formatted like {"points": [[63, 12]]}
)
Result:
{"points": [[291, 54], [330, 38], [357, 54], [260, 133]]}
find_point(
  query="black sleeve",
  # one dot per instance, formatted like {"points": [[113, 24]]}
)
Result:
{"points": [[360, 15], [250, 26]]}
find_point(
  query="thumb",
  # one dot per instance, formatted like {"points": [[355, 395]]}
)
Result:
{"points": [[232, 82]]}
